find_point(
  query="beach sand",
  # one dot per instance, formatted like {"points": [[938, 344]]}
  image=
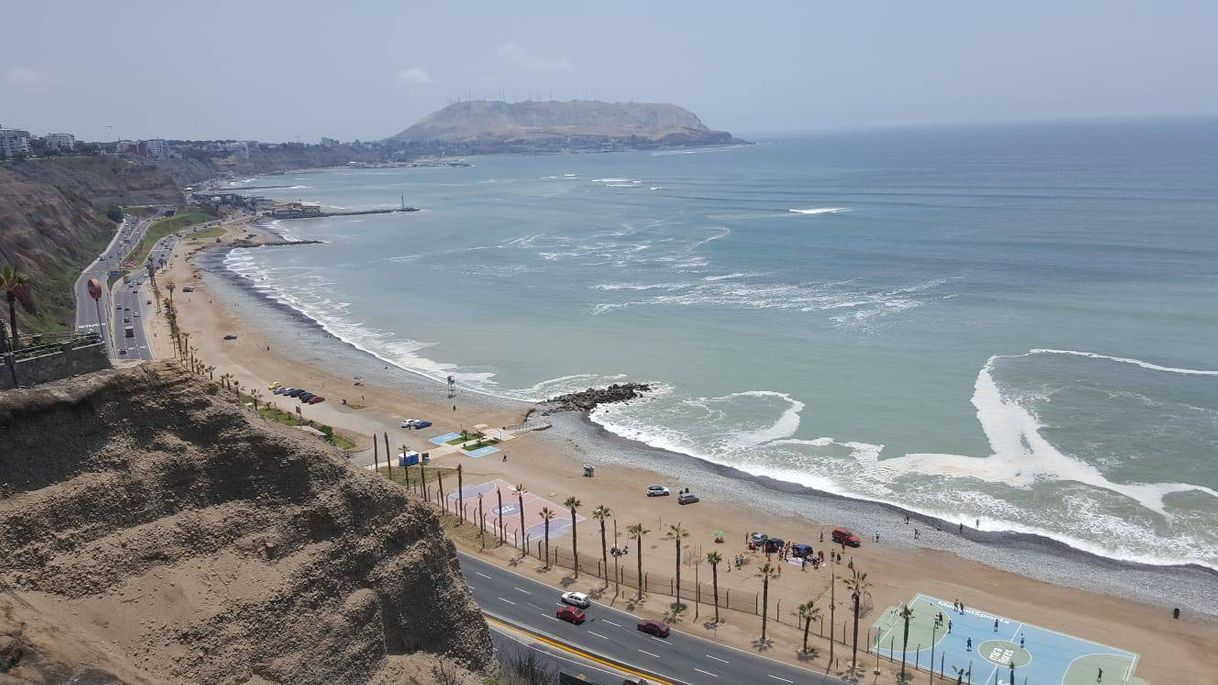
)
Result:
{"points": [[549, 464]]}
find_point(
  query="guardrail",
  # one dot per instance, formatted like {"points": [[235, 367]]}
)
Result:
{"points": [[49, 343]]}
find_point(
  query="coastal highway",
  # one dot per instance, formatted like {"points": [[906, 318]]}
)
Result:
{"points": [[129, 233], [611, 634]]}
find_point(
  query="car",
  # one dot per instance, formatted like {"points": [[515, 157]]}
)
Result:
{"points": [[230, 336], [757, 539], [304, 396], [135, 314], [126, 319], [148, 302], [657, 491], [294, 392], [800, 550], [316, 399], [576, 599], [123, 351], [571, 615], [687, 498], [274, 385], [656, 628], [774, 545], [843, 536], [415, 424], [283, 390]]}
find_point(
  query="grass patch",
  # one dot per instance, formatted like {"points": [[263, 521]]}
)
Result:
{"points": [[480, 444], [161, 228], [465, 437], [272, 413], [208, 234]]}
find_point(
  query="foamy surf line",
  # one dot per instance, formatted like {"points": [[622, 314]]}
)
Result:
{"points": [[819, 210]]}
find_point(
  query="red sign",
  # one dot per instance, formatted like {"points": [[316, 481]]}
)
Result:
{"points": [[95, 289]]}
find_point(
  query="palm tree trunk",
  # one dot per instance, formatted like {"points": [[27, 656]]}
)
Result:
{"points": [[854, 656], [12, 318], [639, 551], [678, 543], [765, 604], [575, 542], [604, 553], [547, 565], [715, 585], [807, 627], [904, 647], [520, 501]]}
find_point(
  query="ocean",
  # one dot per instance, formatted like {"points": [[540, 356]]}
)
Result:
{"points": [[1010, 325]]}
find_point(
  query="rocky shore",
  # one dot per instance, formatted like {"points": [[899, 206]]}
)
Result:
{"points": [[587, 400]]}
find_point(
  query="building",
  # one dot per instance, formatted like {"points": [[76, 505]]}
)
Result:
{"points": [[239, 149], [14, 142], [329, 142], [157, 148], [62, 142]]}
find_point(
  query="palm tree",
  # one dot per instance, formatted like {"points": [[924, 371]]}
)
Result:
{"points": [[520, 490], [170, 286], [573, 503], [547, 515], [600, 513], [636, 532], [767, 571], [809, 612], [713, 558], [675, 533], [17, 288], [906, 614], [255, 395], [858, 585], [211, 372]]}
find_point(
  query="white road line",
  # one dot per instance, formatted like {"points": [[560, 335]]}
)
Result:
{"points": [[782, 679], [665, 642], [619, 625], [713, 675], [593, 632], [655, 655], [708, 656], [521, 590], [535, 606], [507, 600], [480, 573]]}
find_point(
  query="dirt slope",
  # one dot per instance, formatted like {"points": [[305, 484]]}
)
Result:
{"points": [[150, 531]]}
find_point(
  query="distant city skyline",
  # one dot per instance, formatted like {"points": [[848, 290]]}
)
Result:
{"points": [[280, 71]]}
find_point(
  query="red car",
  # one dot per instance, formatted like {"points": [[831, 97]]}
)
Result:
{"points": [[316, 399], [843, 536], [657, 628], [571, 614]]}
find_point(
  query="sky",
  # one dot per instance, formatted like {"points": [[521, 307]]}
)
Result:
{"points": [[287, 71]]}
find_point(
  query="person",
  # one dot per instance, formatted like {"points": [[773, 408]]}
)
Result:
{"points": [[1021, 641], [822, 536], [978, 524], [962, 526], [505, 456], [1099, 676], [968, 645], [949, 625], [877, 537], [1175, 613], [907, 519], [995, 625]]}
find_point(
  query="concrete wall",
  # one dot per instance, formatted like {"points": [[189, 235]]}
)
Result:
{"points": [[51, 367]]}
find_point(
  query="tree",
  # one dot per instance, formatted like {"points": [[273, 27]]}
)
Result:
{"points": [[547, 515], [858, 585], [636, 532], [255, 395], [767, 571], [170, 286], [906, 614], [714, 558], [676, 533], [114, 213], [17, 289], [520, 490], [573, 503], [600, 513], [808, 612]]}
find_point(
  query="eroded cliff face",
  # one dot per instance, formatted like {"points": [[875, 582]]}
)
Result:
{"points": [[151, 531]]}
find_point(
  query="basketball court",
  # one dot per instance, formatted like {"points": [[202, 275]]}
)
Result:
{"points": [[973, 646], [534, 525]]}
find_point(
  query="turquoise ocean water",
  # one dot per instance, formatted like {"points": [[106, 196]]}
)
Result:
{"points": [[1011, 324]]}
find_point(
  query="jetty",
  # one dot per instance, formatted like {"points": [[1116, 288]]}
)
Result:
{"points": [[300, 210]]}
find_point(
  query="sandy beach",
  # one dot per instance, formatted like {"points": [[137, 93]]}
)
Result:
{"points": [[273, 346]]}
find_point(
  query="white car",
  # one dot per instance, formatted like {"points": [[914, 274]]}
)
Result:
{"points": [[657, 491], [576, 599]]}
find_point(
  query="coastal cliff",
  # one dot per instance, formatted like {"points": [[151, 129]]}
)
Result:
{"points": [[481, 126], [167, 534]]}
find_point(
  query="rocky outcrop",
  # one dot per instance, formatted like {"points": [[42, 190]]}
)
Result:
{"points": [[146, 518], [587, 400], [479, 126]]}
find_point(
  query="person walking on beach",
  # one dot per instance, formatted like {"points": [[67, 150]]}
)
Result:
{"points": [[1099, 676], [995, 625], [1021, 641], [949, 626], [968, 645]]}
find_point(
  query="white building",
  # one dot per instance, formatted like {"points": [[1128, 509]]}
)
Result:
{"points": [[157, 148], [63, 142], [239, 149], [13, 142]]}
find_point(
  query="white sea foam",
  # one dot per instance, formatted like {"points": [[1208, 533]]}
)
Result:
{"points": [[820, 210], [1126, 360]]}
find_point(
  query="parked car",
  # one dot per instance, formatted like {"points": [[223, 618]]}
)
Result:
{"points": [[657, 491], [757, 539], [294, 392], [774, 545], [230, 336], [571, 614], [657, 628], [316, 399], [576, 599], [305, 396], [274, 386], [687, 498], [415, 424], [844, 536], [283, 390], [800, 550]]}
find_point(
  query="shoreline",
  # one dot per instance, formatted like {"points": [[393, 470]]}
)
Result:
{"points": [[1051, 560]]}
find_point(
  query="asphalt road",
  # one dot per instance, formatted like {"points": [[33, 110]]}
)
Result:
{"points": [[613, 634], [128, 234]]}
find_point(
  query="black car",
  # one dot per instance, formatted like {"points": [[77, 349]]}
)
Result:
{"points": [[296, 393], [305, 396]]}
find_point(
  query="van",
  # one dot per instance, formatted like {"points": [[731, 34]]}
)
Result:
{"points": [[129, 332], [843, 536]]}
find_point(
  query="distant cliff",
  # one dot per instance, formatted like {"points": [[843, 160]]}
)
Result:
{"points": [[482, 126]]}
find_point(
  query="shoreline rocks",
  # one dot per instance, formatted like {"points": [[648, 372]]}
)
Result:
{"points": [[587, 400]]}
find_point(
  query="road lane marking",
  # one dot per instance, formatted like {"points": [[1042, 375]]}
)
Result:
{"points": [[664, 642], [713, 675], [619, 625], [581, 653], [649, 653], [708, 656], [782, 679], [521, 590], [535, 606], [593, 632], [482, 574], [506, 600]]}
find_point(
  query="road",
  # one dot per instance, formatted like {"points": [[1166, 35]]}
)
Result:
{"points": [[128, 234], [612, 634]]}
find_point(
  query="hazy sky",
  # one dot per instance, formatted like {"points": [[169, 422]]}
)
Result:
{"points": [[283, 70]]}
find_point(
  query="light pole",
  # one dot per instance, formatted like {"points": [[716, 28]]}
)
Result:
{"points": [[933, 631], [95, 291]]}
